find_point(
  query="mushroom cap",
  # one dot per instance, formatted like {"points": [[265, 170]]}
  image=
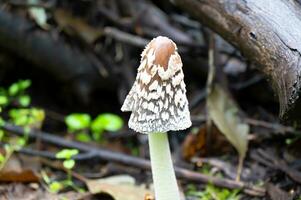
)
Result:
{"points": [[158, 99]]}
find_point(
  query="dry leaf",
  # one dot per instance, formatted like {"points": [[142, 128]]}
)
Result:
{"points": [[224, 113], [39, 15], [118, 187], [19, 191], [194, 143], [15, 172]]}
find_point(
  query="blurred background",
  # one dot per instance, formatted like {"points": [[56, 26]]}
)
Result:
{"points": [[65, 69]]}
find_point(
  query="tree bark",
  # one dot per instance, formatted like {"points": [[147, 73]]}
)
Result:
{"points": [[266, 32]]}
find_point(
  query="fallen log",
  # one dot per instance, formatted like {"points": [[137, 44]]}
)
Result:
{"points": [[268, 33]]}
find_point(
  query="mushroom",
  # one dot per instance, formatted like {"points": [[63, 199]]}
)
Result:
{"points": [[159, 104]]}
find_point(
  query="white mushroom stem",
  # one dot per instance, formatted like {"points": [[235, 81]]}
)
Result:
{"points": [[164, 178]]}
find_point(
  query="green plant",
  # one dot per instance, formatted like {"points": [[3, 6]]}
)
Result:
{"points": [[53, 186], [68, 163], [105, 122], [16, 96], [212, 192], [66, 155], [81, 125], [16, 93], [27, 117], [4, 157], [77, 121]]}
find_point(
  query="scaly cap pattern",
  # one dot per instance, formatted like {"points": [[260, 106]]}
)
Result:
{"points": [[158, 99]]}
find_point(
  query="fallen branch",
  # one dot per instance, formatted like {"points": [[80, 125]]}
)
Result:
{"points": [[133, 161], [50, 155]]}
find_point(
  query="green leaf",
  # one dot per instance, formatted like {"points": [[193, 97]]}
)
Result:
{"points": [[18, 87], [212, 192], [3, 100], [66, 153], [24, 100], [135, 151], [107, 121], [83, 137], [24, 84], [224, 113], [21, 142], [27, 116], [13, 89], [69, 164], [55, 186], [97, 135], [2, 158], [78, 121]]}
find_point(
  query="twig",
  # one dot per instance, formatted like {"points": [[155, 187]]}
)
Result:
{"points": [[212, 68], [49, 155], [254, 122], [247, 83], [133, 161], [268, 159], [120, 135], [135, 40], [228, 169], [125, 37], [109, 15], [275, 126], [209, 86], [239, 167]]}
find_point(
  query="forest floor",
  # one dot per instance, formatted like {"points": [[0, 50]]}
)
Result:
{"points": [[65, 69]]}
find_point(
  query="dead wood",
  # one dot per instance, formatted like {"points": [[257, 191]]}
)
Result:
{"points": [[267, 33]]}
